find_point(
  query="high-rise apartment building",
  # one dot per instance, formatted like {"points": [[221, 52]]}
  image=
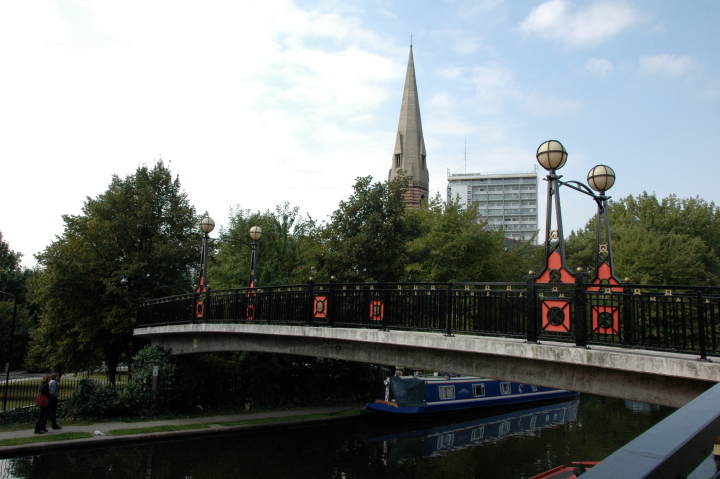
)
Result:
{"points": [[506, 201]]}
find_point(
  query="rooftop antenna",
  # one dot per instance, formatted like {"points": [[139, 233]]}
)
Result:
{"points": [[466, 155]]}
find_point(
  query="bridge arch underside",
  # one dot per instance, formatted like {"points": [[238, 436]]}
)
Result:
{"points": [[667, 379]]}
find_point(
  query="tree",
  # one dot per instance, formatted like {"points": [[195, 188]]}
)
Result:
{"points": [[365, 239], [281, 252], [13, 284], [666, 241], [452, 245], [136, 241]]}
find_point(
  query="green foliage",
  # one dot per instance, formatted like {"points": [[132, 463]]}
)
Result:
{"points": [[281, 252], [365, 239], [13, 285], [136, 241], [668, 241], [138, 396], [452, 245], [91, 399]]}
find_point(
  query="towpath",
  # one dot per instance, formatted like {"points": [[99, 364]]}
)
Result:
{"points": [[24, 442]]}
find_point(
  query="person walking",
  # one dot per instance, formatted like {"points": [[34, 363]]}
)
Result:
{"points": [[54, 390], [42, 400]]}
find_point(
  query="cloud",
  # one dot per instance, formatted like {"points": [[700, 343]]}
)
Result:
{"points": [[599, 66], [244, 103], [585, 26], [441, 100], [462, 41], [666, 64], [451, 73]]}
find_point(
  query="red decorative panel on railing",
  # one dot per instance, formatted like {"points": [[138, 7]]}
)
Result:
{"points": [[555, 315], [377, 310], [320, 307]]}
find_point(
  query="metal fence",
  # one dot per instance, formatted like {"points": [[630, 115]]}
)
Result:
{"points": [[670, 318], [21, 393]]}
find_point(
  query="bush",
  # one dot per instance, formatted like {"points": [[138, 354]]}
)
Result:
{"points": [[138, 396], [91, 399]]}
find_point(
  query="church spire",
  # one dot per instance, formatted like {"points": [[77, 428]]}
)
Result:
{"points": [[409, 154]]}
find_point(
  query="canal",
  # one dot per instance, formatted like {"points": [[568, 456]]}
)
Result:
{"points": [[504, 443]]}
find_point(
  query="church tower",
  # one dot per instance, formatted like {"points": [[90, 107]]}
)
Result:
{"points": [[409, 157]]}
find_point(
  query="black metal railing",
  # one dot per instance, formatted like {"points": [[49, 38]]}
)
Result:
{"points": [[21, 393], [671, 318]]}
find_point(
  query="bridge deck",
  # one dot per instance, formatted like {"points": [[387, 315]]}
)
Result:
{"points": [[666, 378]]}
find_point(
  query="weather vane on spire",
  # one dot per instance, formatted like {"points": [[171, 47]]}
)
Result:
{"points": [[410, 39]]}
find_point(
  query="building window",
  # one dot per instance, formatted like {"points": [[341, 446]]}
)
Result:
{"points": [[446, 393], [397, 160]]}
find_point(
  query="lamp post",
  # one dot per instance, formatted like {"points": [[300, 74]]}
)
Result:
{"points": [[206, 225], [10, 347], [255, 235], [601, 178], [555, 312], [552, 156]]}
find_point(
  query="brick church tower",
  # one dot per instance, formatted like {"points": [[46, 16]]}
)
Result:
{"points": [[409, 157]]}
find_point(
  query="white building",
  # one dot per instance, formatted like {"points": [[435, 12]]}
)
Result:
{"points": [[506, 201]]}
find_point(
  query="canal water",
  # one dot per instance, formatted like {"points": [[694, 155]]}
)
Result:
{"points": [[497, 444]]}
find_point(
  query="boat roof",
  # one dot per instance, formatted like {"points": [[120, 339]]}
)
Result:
{"points": [[431, 378]]}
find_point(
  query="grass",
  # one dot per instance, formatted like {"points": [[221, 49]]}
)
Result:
{"points": [[66, 436], [29, 425], [245, 422], [270, 420], [152, 429]]}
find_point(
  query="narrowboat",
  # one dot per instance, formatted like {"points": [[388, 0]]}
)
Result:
{"points": [[418, 395], [577, 468]]}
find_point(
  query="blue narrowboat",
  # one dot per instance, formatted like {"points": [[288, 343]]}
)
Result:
{"points": [[416, 395]]}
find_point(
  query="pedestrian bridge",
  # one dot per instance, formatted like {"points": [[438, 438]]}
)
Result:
{"points": [[653, 344]]}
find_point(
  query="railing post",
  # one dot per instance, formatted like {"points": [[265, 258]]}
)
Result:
{"points": [[311, 302], [579, 316], [628, 316], [448, 309], [531, 332], [193, 308], [207, 316], [701, 324], [331, 301]]}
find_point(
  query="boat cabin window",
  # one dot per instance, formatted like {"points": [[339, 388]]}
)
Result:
{"points": [[446, 392], [479, 390], [505, 388]]}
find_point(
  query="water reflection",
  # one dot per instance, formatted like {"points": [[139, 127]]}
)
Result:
{"points": [[512, 444], [440, 439], [638, 407]]}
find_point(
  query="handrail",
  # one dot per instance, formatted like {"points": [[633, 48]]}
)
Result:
{"points": [[652, 317], [669, 449]]}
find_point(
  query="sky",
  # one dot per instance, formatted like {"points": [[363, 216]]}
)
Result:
{"points": [[253, 104]]}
